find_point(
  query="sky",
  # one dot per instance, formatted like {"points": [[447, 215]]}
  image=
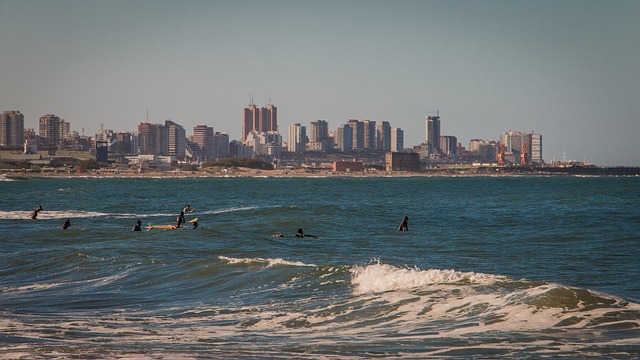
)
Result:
{"points": [[568, 70]]}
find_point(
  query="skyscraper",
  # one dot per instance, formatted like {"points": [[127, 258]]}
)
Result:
{"points": [[176, 139], [357, 127], [297, 137], [433, 134], [11, 128], [343, 137], [384, 136], [263, 119], [397, 140], [251, 120], [203, 137], [369, 128], [50, 130]]}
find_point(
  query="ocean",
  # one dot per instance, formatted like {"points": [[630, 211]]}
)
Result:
{"points": [[491, 267]]}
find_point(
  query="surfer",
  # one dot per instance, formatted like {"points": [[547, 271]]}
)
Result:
{"points": [[404, 225], [180, 219], [300, 233], [66, 224], [137, 226], [187, 209], [34, 213], [194, 224]]}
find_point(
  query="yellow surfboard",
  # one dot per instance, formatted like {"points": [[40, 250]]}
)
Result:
{"points": [[170, 227]]}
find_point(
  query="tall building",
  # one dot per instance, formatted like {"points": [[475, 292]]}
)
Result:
{"points": [[251, 120], [147, 138], [319, 131], [11, 128], [433, 134], [369, 128], [263, 119], [50, 134], [397, 140], [203, 137], [536, 148], [384, 136], [343, 137], [357, 128], [176, 139], [269, 118], [297, 137], [220, 145], [448, 145]]}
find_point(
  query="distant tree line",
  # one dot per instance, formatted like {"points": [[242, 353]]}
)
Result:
{"points": [[252, 163]]}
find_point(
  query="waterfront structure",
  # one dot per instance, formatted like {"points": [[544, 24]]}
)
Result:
{"points": [[397, 140], [11, 129], [297, 138], [396, 161], [536, 149], [384, 136], [348, 166], [433, 134], [519, 145]]}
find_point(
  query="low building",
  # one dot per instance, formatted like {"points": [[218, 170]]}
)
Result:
{"points": [[347, 166], [396, 161]]}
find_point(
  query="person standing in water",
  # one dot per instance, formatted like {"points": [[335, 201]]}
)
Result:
{"points": [[34, 213], [404, 225], [137, 226]]}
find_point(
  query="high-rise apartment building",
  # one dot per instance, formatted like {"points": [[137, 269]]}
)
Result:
{"points": [[319, 131], [357, 128], [147, 138], [203, 137], [433, 134], [50, 133], [384, 136], [297, 137], [397, 140], [369, 128], [448, 145], [11, 128], [343, 137], [263, 119], [176, 139]]}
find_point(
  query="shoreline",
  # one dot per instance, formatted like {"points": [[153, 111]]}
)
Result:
{"points": [[322, 173]]}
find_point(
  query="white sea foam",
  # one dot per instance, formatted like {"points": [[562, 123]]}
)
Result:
{"points": [[269, 262], [380, 277]]}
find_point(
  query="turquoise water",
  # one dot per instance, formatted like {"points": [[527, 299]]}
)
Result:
{"points": [[491, 267]]}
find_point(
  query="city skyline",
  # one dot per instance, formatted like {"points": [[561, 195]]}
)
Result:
{"points": [[566, 70]]}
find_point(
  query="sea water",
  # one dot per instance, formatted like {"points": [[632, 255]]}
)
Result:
{"points": [[491, 267]]}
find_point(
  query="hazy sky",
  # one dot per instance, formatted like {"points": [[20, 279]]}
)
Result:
{"points": [[569, 70]]}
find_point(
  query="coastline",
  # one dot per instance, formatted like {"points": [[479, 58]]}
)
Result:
{"points": [[324, 173]]}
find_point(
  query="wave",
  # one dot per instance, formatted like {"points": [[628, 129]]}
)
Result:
{"points": [[268, 262], [76, 214]]}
